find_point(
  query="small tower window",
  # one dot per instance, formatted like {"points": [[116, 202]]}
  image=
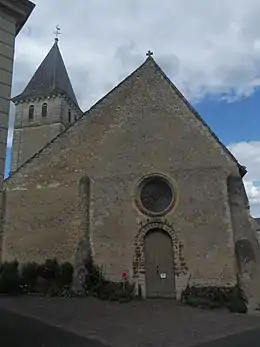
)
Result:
{"points": [[69, 116], [44, 110], [31, 112]]}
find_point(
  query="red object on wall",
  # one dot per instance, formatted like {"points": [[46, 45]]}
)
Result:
{"points": [[124, 275]]}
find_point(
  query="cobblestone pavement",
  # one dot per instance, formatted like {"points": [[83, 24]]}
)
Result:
{"points": [[160, 323]]}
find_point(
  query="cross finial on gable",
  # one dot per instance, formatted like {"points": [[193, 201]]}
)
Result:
{"points": [[149, 53], [57, 33]]}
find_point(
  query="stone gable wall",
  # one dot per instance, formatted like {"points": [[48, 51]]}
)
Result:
{"points": [[142, 127]]}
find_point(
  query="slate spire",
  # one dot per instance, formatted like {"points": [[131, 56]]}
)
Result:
{"points": [[50, 78]]}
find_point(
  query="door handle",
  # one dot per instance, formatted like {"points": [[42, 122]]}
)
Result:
{"points": [[157, 270]]}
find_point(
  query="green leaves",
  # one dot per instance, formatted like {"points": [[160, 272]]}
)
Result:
{"points": [[212, 297]]}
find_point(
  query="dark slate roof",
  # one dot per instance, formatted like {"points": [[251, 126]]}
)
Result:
{"points": [[50, 78]]}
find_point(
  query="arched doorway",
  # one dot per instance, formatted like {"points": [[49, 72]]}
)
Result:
{"points": [[159, 264]]}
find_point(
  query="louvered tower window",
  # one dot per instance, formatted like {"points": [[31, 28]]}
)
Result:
{"points": [[31, 112], [44, 110]]}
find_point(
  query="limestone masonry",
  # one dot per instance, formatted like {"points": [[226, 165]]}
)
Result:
{"points": [[139, 181]]}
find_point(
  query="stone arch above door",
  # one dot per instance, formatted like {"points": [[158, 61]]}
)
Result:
{"points": [[179, 263]]}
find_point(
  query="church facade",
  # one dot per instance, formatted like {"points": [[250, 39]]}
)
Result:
{"points": [[139, 182]]}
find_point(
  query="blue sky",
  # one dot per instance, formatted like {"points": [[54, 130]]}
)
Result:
{"points": [[233, 121], [210, 50]]}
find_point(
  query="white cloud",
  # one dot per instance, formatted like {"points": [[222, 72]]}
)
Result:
{"points": [[206, 47], [248, 153]]}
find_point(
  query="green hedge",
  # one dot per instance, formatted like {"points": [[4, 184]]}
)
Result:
{"points": [[54, 279], [10, 279], [50, 278], [212, 297]]}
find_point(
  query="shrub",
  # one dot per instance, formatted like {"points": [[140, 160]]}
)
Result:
{"points": [[49, 278], [97, 286], [66, 274], [66, 292], [52, 279], [50, 270], [10, 280], [116, 291], [211, 297], [29, 275], [215, 294], [238, 301], [94, 278], [237, 306], [198, 302]]}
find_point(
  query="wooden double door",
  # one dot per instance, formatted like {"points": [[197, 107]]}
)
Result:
{"points": [[159, 265]]}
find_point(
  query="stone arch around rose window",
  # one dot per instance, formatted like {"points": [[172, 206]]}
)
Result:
{"points": [[180, 266]]}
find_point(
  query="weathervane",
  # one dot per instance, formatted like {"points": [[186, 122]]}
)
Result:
{"points": [[57, 33]]}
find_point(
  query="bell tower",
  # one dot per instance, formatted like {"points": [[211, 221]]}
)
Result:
{"points": [[44, 109]]}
